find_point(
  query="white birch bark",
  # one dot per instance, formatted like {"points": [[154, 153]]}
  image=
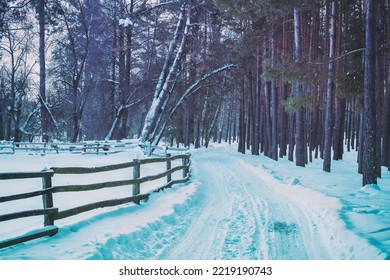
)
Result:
{"points": [[166, 74]]}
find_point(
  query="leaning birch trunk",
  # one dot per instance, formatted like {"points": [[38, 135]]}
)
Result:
{"points": [[169, 69], [211, 127], [114, 124], [187, 93], [122, 108]]}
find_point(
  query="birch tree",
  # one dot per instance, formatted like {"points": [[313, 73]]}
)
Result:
{"points": [[173, 58]]}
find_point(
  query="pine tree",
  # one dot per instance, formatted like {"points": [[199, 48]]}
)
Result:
{"points": [[329, 93], [369, 126]]}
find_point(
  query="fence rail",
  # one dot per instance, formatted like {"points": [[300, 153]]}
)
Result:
{"points": [[51, 213], [10, 147], [89, 147]]}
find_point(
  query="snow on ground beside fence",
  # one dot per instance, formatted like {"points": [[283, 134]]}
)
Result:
{"points": [[22, 162]]}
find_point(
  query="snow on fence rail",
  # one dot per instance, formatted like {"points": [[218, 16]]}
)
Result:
{"points": [[91, 147], [52, 213], [95, 147]]}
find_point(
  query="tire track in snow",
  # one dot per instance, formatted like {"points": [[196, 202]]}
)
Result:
{"points": [[242, 235], [225, 228]]}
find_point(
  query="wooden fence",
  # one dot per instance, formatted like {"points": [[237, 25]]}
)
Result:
{"points": [[96, 147], [52, 213], [92, 147]]}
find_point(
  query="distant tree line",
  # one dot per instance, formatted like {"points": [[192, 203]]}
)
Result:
{"points": [[299, 79], [315, 80]]}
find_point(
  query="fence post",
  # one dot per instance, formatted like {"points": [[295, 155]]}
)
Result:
{"points": [[169, 166], [136, 175], [48, 197], [149, 148], [184, 163]]}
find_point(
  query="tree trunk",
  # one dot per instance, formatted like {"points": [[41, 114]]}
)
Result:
{"points": [[299, 134], [42, 72], [127, 56], [283, 118], [369, 129], [360, 142], [274, 108], [241, 125], [329, 94], [386, 129], [170, 67], [268, 125], [256, 115], [379, 80], [186, 125], [386, 120]]}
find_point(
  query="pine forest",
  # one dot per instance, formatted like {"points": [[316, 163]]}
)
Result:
{"points": [[300, 79]]}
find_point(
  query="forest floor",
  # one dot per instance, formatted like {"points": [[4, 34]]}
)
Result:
{"points": [[234, 207]]}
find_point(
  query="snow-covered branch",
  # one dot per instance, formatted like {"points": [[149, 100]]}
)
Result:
{"points": [[119, 112], [43, 102], [196, 85], [191, 90]]}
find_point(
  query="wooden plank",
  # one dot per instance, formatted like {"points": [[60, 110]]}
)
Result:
{"points": [[47, 200], [153, 147], [101, 204], [164, 159], [25, 175], [86, 170], [5, 147], [24, 195], [28, 213], [112, 184], [160, 175], [46, 231], [152, 160], [136, 175], [177, 149], [91, 187], [180, 156], [169, 167]]}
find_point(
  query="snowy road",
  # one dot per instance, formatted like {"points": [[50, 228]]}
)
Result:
{"points": [[242, 218], [250, 213], [235, 207]]}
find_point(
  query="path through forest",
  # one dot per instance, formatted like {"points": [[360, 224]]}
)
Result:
{"points": [[249, 215], [234, 207]]}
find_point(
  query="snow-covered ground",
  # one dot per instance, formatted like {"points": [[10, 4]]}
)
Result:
{"points": [[234, 207]]}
